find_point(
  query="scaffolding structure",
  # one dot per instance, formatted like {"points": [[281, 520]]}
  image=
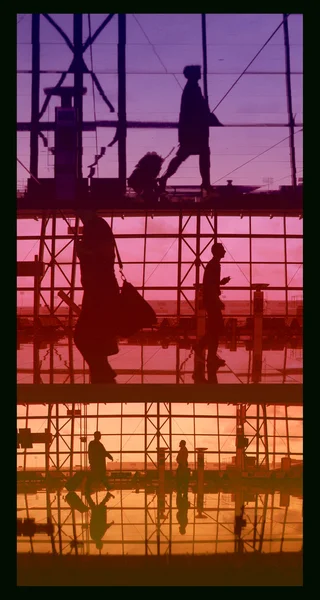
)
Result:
{"points": [[193, 228], [273, 523]]}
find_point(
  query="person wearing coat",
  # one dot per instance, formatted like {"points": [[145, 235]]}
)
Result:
{"points": [[194, 122]]}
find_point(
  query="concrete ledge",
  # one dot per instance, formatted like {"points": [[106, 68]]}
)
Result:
{"points": [[248, 569]]}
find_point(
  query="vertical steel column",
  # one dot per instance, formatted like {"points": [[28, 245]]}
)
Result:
{"points": [[78, 85], [34, 156], [285, 263], [161, 452], [72, 439], [36, 305], [122, 117], [35, 93], [265, 435], [144, 254], [250, 265], [204, 57], [200, 479], [73, 279], [199, 359], [180, 233], [180, 230], [289, 100], [257, 335]]}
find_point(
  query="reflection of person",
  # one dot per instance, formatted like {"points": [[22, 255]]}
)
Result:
{"points": [[182, 514], [194, 121], [182, 470], [213, 306], [98, 520], [97, 459], [95, 331]]}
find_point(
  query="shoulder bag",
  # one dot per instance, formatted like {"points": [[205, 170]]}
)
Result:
{"points": [[134, 311]]}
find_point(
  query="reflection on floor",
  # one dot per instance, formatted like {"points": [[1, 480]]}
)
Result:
{"points": [[151, 521], [162, 361]]}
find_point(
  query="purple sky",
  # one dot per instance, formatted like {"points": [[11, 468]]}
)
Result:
{"points": [[154, 89]]}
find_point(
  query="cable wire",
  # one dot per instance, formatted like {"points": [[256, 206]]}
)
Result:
{"points": [[257, 156], [156, 53], [250, 63]]}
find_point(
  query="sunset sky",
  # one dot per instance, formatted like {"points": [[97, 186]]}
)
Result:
{"points": [[158, 48]]}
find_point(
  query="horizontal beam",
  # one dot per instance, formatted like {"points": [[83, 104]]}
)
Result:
{"points": [[273, 394], [33, 268], [32, 213], [93, 125], [248, 569]]}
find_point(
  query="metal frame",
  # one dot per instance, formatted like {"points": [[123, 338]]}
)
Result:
{"points": [[159, 534], [55, 417]]}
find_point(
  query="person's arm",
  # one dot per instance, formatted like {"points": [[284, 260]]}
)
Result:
{"points": [[108, 455], [225, 280]]}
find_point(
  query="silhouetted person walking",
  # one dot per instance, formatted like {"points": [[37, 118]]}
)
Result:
{"points": [[97, 459], [194, 121], [98, 520], [213, 306], [95, 331], [182, 470]]}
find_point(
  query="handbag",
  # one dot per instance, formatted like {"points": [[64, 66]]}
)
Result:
{"points": [[134, 312]]}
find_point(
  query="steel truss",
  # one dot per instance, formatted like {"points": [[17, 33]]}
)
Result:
{"points": [[71, 426], [188, 279]]}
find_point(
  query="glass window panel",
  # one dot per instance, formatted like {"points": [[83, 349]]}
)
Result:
{"points": [[161, 275], [233, 225], [295, 275], [128, 225], [294, 226], [294, 250], [162, 249], [273, 274], [237, 249], [267, 225], [268, 249], [167, 225]]}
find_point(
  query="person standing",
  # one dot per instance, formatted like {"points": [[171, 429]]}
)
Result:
{"points": [[194, 121], [97, 460], [95, 333], [182, 470], [213, 306]]}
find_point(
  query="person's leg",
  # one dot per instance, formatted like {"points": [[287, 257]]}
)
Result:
{"points": [[204, 165], [213, 342], [199, 360], [104, 480], [88, 484], [100, 369], [173, 166]]}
